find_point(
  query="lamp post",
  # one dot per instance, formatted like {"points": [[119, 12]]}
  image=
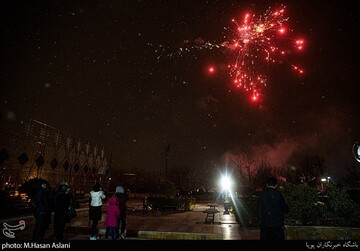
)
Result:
{"points": [[323, 180], [226, 186], [322, 184]]}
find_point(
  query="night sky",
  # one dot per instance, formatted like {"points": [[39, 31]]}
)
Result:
{"points": [[93, 69]]}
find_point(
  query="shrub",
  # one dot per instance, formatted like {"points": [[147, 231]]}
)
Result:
{"points": [[341, 209], [245, 209], [305, 207]]}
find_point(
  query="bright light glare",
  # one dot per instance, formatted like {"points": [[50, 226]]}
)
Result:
{"points": [[225, 183]]}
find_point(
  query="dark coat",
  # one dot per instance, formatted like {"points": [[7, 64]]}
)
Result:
{"points": [[42, 201], [272, 207], [122, 200], [63, 200]]}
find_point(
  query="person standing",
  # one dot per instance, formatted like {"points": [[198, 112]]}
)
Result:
{"points": [[62, 201], [145, 205], [272, 207], [96, 197], [112, 218], [122, 198], [42, 211]]}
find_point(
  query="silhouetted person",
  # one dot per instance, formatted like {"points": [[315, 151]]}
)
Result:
{"points": [[272, 207], [122, 198], [42, 211], [62, 201], [145, 205]]}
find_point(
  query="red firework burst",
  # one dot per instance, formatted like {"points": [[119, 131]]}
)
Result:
{"points": [[256, 42]]}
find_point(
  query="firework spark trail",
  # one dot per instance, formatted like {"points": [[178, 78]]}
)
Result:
{"points": [[189, 46], [254, 44]]}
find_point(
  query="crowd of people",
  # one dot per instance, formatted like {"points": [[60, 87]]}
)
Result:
{"points": [[115, 222], [271, 206], [61, 203]]}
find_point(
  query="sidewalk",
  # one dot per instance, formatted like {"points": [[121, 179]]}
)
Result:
{"points": [[170, 225], [165, 225]]}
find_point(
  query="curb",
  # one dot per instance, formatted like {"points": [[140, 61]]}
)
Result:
{"points": [[178, 235], [158, 235]]}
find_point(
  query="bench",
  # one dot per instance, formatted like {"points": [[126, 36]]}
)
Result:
{"points": [[212, 205], [210, 215]]}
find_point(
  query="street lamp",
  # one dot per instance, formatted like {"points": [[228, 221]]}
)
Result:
{"points": [[323, 180], [226, 184]]}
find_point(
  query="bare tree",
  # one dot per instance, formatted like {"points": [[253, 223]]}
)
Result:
{"points": [[243, 166], [311, 170], [262, 173]]}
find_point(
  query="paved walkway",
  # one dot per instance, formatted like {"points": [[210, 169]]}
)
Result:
{"points": [[173, 225], [186, 225]]}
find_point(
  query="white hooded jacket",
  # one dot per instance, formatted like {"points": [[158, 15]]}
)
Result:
{"points": [[96, 198]]}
